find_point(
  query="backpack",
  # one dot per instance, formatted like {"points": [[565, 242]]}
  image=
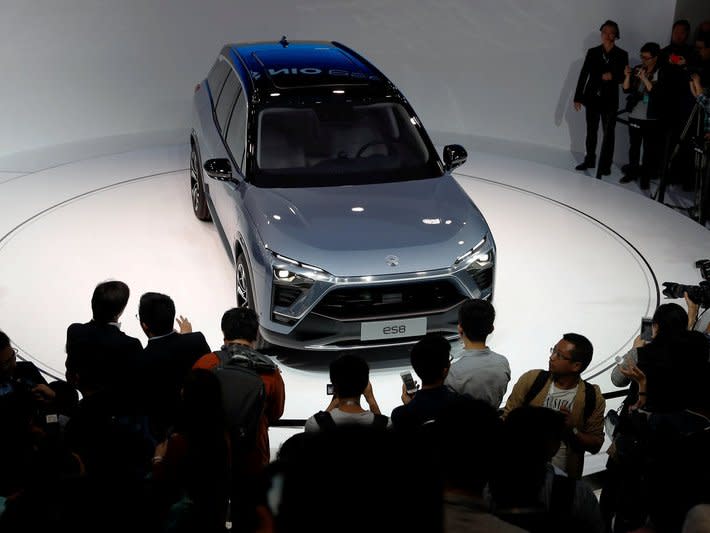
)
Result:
{"points": [[590, 393], [325, 420], [243, 396]]}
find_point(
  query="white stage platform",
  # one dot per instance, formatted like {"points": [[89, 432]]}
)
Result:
{"points": [[575, 254]]}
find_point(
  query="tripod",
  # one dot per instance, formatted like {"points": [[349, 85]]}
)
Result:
{"points": [[694, 120]]}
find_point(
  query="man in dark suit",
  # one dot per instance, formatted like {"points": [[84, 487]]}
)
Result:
{"points": [[166, 359], [598, 91], [119, 352]]}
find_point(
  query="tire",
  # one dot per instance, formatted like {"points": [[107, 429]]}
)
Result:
{"points": [[197, 186], [243, 283]]}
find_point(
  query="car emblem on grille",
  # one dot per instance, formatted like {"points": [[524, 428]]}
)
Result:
{"points": [[392, 260]]}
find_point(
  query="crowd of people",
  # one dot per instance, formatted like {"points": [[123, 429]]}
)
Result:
{"points": [[664, 91], [173, 436]]}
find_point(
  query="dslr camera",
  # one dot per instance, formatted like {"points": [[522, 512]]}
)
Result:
{"points": [[699, 294]]}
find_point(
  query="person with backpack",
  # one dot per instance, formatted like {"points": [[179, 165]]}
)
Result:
{"points": [[254, 396], [563, 389], [350, 376]]}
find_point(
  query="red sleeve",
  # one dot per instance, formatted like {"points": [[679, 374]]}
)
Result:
{"points": [[206, 362], [275, 396]]}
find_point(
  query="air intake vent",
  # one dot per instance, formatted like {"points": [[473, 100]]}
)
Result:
{"points": [[483, 277], [381, 301]]}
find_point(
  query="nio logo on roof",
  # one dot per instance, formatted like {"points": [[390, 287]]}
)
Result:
{"points": [[313, 71], [392, 260]]}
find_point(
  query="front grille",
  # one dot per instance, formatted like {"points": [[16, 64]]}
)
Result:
{"points": [[380, 301], [482, 277]]}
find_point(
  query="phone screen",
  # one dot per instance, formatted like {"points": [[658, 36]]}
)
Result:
{"points": [[408, 381], [646, 331]]}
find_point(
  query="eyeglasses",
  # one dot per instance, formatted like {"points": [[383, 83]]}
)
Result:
{"points": [[557, 355], [646, 58]]}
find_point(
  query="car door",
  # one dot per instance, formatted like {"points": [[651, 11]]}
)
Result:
{"points": [[227, 195]]}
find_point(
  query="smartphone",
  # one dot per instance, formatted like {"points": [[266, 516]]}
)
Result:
{"points": [[646, 328], [329, 389], [408, 380]]}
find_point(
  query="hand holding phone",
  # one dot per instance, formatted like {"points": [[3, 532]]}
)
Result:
{"points": [[409, 383]]}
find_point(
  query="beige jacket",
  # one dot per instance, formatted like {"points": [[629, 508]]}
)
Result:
{"points": [[594, 424]]}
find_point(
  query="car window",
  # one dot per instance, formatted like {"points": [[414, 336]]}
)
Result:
{"points": [[333, 141], [216, 78], [237, 129], [225, 103]]}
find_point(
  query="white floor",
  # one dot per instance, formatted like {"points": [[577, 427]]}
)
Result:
{"points": [[575, 254]]}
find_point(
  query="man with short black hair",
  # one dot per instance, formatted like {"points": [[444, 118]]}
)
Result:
{"points": [[166, 359], [430, 360], [598, 91], [479, 372], [563, 389], [119, 351], [254, 397], [350, 376], [240, 328]]}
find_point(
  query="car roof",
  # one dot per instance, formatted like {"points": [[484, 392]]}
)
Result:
{"points": [[297, 65]]}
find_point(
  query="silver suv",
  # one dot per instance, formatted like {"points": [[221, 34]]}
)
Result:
{"points": [[345, 227]]}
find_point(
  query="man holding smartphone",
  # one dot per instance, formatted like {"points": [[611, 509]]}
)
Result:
{"points": [[430, 360]]}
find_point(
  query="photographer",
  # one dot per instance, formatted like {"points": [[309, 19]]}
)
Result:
{"points": [[639, 84], [670, 321], [693, 309], [668, 385]]}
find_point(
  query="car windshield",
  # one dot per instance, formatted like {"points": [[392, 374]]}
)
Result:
{"points": [[340, 143]]}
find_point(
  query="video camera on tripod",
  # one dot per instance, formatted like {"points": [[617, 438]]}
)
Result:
{"points": [[699, 294]]}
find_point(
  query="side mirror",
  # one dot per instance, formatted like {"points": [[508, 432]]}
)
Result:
{"points": [[219, 169], [454, 156]]}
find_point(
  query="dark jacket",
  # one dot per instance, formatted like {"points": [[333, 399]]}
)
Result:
{"points": [[121, 351], [591, 90], [164, 364]]}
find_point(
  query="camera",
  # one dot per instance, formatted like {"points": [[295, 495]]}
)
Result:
{"points": [[699, 294]]}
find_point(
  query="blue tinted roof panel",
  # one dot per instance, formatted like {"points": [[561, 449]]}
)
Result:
{"points": [[303, 64]]}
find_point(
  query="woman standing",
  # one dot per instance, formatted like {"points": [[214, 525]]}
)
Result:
{"points": [[644, 129]]}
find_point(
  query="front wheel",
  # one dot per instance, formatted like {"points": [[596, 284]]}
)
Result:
{"points": [[197, 186], [244, 295]]}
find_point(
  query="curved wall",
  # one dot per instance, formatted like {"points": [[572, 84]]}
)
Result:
{"points": [[79, 69]]}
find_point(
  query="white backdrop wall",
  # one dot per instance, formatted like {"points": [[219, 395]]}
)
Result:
{"points": [[80, 69]]}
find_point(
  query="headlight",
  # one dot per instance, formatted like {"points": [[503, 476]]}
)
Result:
{"points": [[287, 270], [291, 281], [481, 254]]}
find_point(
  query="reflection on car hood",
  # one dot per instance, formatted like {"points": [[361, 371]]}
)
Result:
{"points": [[350, 230]]}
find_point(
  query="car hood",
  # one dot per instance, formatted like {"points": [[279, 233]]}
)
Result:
{"points": [[350, 230]]}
